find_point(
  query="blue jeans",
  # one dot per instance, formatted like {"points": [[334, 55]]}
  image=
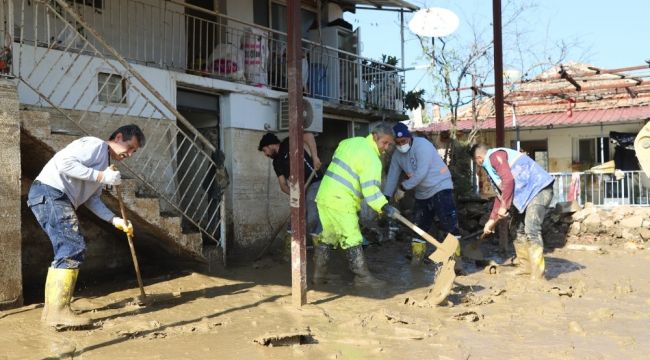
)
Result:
{"points": [[57, 217], [440, 205], [312, 220]]}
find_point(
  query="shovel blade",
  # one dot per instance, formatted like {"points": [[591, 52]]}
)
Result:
{"points": [[443, 283], [473, 251], [446, 250]]}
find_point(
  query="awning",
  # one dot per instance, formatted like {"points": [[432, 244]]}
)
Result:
{"points": [[380, 4]]}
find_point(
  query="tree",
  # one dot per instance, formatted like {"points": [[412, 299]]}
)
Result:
{"points": [[463, 62]]}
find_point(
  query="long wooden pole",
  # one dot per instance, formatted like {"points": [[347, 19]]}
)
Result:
{"points": [[296, 156]]}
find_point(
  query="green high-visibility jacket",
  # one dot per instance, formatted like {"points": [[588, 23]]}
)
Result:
{"points": [[354, 175]]}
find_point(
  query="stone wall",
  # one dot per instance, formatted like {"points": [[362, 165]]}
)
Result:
{"points": [[10, 233], [615, 226]]}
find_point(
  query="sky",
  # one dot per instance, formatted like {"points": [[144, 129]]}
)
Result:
{"points": [[603, 33]]}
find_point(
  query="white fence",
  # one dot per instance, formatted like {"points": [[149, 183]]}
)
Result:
{"points": [[603, 189]]}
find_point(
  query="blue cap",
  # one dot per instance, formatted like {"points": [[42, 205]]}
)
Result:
{"points": [[401, 130]]}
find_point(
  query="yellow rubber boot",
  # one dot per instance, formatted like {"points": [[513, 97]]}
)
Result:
{"points": [[58, 293], [48, 279], [536, 257], [459, 267], [523, 261], [418, 249]]}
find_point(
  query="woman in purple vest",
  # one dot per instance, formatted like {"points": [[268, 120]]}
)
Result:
{"points": [[522, 183]]}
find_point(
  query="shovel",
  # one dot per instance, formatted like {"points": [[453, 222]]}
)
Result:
{"points": [[473, 250], [444, 254]]}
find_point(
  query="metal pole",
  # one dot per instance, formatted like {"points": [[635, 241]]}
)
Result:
{"points": [[602, 145], [498, 70], [401, 34], [516, 125], [296, 151]]}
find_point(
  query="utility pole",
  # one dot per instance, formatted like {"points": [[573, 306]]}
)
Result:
{"points": [[296, 156], [498, 71]]}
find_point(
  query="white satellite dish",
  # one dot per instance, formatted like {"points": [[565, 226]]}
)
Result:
{"points": [[434, 22]]}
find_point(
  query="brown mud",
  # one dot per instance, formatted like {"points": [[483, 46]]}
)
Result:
{"points": [[592, 306]]}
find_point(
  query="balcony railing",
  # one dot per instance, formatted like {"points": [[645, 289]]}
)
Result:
{"points": [[181, 37], [609, 189]]}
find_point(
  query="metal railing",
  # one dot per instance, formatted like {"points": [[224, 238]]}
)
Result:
{"points": [[603, 189], [182, 37], [63, 63]]}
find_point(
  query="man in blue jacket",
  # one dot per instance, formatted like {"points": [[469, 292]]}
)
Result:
{"points": [[520, 182], [428, 175]]}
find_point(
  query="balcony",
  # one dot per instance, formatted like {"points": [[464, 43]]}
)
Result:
{"points": [[183, 38]]}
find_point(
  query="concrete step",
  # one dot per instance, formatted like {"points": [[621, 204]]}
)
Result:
{"points": [[36, 123]]}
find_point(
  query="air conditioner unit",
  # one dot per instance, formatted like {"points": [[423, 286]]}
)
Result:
{"points": [[312, 114]]}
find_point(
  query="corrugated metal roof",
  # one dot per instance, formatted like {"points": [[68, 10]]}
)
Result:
{"points": [[556, 119], [382, 3]]}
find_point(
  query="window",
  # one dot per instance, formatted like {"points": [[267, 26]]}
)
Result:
{"points": [[97, 4], [279, 19], [111, 88], [590, 154], [535, 149]]}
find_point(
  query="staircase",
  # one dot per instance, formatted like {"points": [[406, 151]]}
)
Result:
{"points": [[153, 227], [68, 71]]}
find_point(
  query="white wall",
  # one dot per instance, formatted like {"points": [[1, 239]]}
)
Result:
{"points": [[249, 112], [70, 81], [240, 9], [561, 141]]}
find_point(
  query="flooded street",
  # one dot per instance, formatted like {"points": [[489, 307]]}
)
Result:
{"points": [[593, 306]]}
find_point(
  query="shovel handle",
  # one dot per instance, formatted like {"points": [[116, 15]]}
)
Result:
{"points": [[118, 190], [419, 231], [284, 223]]}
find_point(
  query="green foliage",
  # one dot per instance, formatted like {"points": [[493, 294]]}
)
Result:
{"points": [[413, 99], [461, 168]]}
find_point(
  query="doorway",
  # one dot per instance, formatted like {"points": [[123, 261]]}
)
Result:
{"points": [[198, 177]]}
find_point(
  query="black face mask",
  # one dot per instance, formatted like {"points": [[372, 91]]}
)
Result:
{"points": [[274, 155]]}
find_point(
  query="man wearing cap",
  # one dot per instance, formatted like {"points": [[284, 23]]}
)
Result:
{"points": [[278, 151], [429, 176]]}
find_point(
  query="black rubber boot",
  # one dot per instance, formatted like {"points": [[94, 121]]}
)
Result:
{"points": [[358, 265], [321, 258]]}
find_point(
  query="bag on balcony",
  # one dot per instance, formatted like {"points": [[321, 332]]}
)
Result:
{"points": [[226, 61], [256, 54]]}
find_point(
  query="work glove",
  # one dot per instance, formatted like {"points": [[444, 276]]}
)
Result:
{"points": [[125, 226], [390, 211], [111, 177]]}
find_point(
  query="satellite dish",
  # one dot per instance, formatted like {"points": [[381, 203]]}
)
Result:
{"points": [[434, 22]]}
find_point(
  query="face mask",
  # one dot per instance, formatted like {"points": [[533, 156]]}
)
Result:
{"points": [[403, 148]]}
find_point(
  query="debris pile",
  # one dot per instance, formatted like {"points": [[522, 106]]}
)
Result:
{"points": [[608, 226]]}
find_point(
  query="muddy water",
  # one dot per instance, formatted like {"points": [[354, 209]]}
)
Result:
{"points": [[593, 306]]}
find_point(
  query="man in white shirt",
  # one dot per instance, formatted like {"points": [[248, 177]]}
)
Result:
{"points": [[74, 177]]}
